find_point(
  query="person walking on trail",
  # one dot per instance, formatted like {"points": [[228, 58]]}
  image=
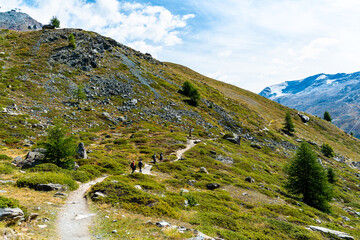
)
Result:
{"points": [[140, 165], [161, 156], [154, 158], [133, 166]]}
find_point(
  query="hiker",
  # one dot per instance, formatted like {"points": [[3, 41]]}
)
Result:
{"points": [[140, 165], [161, 156], [133, 166], [154, 158]]}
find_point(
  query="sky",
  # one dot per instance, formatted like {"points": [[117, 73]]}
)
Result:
{"points": [[248, 43]]}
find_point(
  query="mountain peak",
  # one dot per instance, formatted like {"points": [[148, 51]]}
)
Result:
{"points": [[18, 21]]}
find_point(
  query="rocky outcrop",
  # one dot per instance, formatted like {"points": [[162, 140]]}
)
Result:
{"points": [[49, 187], [336, 233], [18, 21], [212, 186], [81, 151], [32, 159], [10, 213], [304, 118]]}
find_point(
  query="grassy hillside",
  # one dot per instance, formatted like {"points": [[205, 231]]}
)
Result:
{"points": [[134, 109]]}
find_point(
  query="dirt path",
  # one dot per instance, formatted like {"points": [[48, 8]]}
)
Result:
{"points": [[146, 169], [75, 217], [189, 144]]}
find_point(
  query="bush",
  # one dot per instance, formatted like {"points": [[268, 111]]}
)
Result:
{"points": [[331, 176], [120, 141], [8, 202], [289, 126], [327, 150], [71, 39], [54, 21], [327, 116], [5, 157], [31, 180], [190, 91], [6, 168], [94, 170], [82, 176], [45, 167]]}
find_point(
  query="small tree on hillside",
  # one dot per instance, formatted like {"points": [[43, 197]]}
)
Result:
{"points": [[190, 91], [79, 93], [327, 150], [186, 88], [327, 116], [289, 126], [307, 177], [72, 41], [331, 176], [59, 148], [54, 21]]}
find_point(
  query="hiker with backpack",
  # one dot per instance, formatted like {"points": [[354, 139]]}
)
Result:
{"points": [[161, 157], [140, 165], [133, 166], [154, 158]]}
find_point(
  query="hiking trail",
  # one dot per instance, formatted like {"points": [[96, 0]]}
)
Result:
{"points": [[75, 218], [189, 144]]}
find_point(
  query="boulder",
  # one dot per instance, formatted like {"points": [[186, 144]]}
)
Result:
{"points": [[10, 213], [249, 179], [212, 186], [48, 187], [204, 170], [163, 224], [17, 160], [304, 118], [327, 231], [255, 145], [191, 182], [32, 159], [81, 151]]}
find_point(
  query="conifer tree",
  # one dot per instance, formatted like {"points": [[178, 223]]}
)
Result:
{"points": [[307, 177], [327, 116], [331, 176], [327, 150], [54, 21], [289, 126]]}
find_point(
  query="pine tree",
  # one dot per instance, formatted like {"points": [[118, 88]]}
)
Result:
{"points": [[71, 40], [289, 126], [327, 116], [307, 177], [79, 93], [331, 176], [54, 21], [190, 91], [59, 148]]}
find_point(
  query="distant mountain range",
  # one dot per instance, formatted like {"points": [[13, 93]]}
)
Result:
{"points": [[336, 93], [18, 21]]}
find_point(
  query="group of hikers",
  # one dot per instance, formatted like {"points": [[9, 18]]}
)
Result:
{"points": [[141, 164]]}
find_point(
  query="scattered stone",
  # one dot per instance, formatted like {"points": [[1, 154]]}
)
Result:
{"points": [[32, 217], [48, 187], [191, 182], [183, 190], [182, 229], [138, 187], [212, 152], [186, 203], [114, 231], [245, 194], [304, 118], [10, 213], [97, 195], [336, 233], [255, 145], [81, 151], [7, 181], [345, 218], [204, 170], [42, 226], [60, 195], [163, 224], [17, 160], [249, 179], [212, 186]]}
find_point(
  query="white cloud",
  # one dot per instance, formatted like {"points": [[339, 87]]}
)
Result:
{"points": [[140, 25]]}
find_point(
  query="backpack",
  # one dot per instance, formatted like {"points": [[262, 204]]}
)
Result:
{"points": [[132, 165]]}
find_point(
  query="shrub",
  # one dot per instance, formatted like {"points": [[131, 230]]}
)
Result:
{"points": [[92, 169], [8, 202], [190, 91], [331, 176], [191, 200], [6, 168], [289, 126], [327, 150], [54, 21], [31, 180], [82, 176], [327, 116], [120, 141], [71, 39], [5, 157], [45, 167]]}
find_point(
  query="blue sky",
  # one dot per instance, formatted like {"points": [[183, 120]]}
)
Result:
{"points": [[249, 43]]}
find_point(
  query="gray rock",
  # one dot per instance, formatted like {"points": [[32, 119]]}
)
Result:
{"points": [[33, 216], [48, 187], [98, 195], [10, 213], [32, 159], [60, 195], [336, 233], [249, 179], [163, 224], [345, 218], [81, 151], [212, 186], [304, 118], [138, 187], [255, 145], [191, 182], [17, 160], [204, 170]]}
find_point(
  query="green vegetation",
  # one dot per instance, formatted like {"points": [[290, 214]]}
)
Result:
{"points": [[308, 178], [327, 150], [331, 176], [31, 180], [190, 91], [327, 116], [60, 148], [289, 126], [79, 93], [54, 21], [71, 40]]}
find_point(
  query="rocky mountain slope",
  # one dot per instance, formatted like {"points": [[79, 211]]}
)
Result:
{"points": [[134, 108], [18, 21], [336, 93]]}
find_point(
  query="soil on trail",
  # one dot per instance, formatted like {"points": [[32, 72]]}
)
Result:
{"points": [[75, 217], [190, 143]]}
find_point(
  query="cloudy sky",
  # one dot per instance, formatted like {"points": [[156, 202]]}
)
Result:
{"points": [[249, 43]]}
